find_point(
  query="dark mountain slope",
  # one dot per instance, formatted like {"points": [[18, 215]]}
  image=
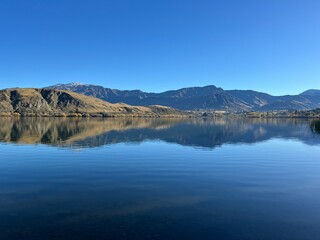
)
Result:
{"points": [[252, 98], [196, 98], [209, 97]]}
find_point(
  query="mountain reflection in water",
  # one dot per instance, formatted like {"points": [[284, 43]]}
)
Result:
{"points": [[206, 133], [315, 126], [156, 188]]}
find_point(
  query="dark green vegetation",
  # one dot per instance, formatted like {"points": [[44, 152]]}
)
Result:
{"points": [[49, 102], [200, 98], [315, 126], [315, 113]]}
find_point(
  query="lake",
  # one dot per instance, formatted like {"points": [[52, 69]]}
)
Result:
{"points": [[138, 178]]}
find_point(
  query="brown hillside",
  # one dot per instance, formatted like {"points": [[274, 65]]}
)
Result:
{"points": [[48, 102]]}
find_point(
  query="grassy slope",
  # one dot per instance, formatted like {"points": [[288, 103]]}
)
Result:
{"points": [[45, 102]]}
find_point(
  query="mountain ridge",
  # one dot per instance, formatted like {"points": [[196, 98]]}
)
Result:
{"points": [[201, 98]]}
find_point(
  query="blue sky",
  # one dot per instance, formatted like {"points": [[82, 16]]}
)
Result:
{"points": [[271, 46]]}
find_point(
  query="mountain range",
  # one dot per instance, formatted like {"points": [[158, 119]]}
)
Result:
{"points": [[201, 98]]}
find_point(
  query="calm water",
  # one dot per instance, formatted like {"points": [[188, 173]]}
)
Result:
{"points": [[159, 179]]}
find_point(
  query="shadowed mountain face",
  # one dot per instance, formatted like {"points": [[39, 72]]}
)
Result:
{"points": [[208, 97], [206, 133], [185, 99]]}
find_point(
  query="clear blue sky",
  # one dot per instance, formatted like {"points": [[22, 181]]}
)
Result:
{"points": [[155, 45]]}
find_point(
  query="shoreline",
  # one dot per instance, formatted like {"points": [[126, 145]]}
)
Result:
{"points": [[89, 116]]}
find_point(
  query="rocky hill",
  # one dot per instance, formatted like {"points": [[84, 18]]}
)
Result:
{"points": [[50, 102], [200, 98]]}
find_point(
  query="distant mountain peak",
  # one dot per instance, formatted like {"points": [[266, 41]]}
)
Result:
{"points": [[72, 84], [76, 83], [311, 92]]}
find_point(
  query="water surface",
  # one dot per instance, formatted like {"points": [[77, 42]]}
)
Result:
{"points": [[159, 179]]}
